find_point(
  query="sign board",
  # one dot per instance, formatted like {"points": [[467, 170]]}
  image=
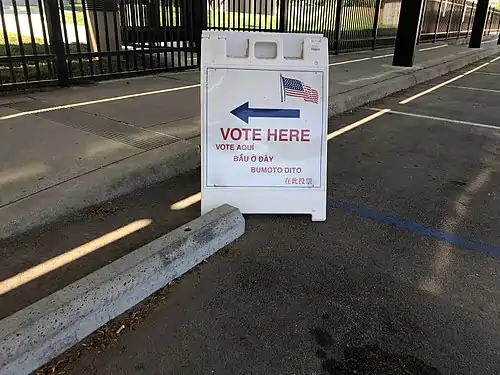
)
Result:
{"points": [[264, 99]]}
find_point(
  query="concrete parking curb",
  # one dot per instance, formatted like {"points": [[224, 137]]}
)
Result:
{"points": [[40, 332], [432, 69]]}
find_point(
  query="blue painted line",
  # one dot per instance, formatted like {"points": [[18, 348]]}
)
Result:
{"points": [[419, 229]]}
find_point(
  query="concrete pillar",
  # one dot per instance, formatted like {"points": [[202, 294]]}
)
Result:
{"points": [[476, 36], [407, 36]]}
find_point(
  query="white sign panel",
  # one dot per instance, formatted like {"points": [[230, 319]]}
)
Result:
{"points": [[264, 120]]}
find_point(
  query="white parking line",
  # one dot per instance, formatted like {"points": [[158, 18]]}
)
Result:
{"points": [[435, 47], [435, 118], [473, 88], [382, 56], [429, 90], [476, 69], [406, 101], [349, 61], [489, 73]]}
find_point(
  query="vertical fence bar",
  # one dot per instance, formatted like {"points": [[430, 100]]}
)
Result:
{"points": [[115, 13], [438, 20], [492, 11], [56, 41], [330, 24], [152, 27], [87, 35], [422, 20], [45, 38], [66, 38], [470, 20], [283, 15], [7, 45], [20, 40], [106, 35], [77, 37], [186, 26], [143, 27], [203, 22], [450, 19], [33, 42], [167, 25], [462, 17], [487, 21], [338, 24], [378, 4]]}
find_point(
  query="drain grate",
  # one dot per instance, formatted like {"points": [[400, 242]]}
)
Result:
{"points": [[141, 138]]}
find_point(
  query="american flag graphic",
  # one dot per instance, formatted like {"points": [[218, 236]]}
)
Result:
{"points": [[296, 88]]}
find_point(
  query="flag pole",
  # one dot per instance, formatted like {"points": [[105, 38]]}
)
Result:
{"points": [[281, 89]]}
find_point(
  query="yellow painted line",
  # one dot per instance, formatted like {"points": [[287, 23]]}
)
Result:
{"points": [[97, 101], [349, 61], [430, 48], [382, 56], [354, 125], [186, 202], [70, 256]]}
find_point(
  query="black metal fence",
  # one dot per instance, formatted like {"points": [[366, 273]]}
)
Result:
{"points": [[48, 42]]}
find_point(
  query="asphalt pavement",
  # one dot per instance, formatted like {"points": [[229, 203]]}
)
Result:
{"points": [[402, 278]]}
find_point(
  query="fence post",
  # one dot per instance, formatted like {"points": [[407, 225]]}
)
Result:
{"points": [[378, 4], [449, 19], [438, 20], [422, 20], [199, 13], [470, 20], [492, 11], [462, 19], [338, 24], [283, 16], [51, 9]]}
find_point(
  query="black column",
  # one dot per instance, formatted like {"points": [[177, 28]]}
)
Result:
{"points": [[408, 27], [498, 40], [476, 36]]}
